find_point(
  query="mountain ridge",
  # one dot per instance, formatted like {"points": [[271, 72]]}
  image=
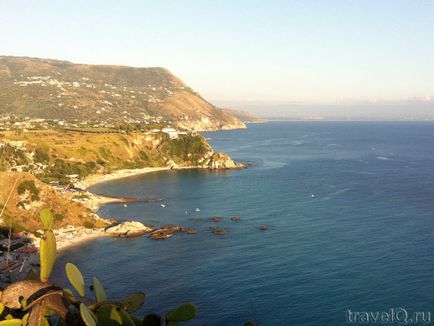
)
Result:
{"points": [[59, 89]]}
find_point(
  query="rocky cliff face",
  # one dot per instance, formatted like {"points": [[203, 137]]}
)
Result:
{"points": [[219, 161], [52, 89], [52, 155]]}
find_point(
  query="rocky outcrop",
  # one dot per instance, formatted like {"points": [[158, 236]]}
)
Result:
{"points": [[206, 124], [223, 161], [213, 160], [166, 232], [128, 229]]}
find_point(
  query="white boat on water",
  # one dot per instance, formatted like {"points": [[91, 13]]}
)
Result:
{"points": [[197, 209], [162, 205]]}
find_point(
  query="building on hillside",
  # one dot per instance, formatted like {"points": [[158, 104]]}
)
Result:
{"points": [[173, 134]]}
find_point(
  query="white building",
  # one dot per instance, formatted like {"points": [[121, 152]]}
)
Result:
{"points": [[173, 134]]}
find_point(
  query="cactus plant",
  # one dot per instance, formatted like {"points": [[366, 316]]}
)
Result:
{"points": [[46, 218], [87, 315], [11, 322], [99, 290], [184, 312], [133, 301], [47, 254], [75, 278]]}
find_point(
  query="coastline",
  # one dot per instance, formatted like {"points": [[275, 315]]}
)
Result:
{"points": [[118, 174], [95, 179]]}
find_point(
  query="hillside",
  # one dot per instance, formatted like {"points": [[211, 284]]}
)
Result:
{"points": [[28, 196], [52, 89], [53, 155]]}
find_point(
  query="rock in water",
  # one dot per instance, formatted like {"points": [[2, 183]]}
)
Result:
{"points": [[223, 161], [128, 229], [215, 219]]}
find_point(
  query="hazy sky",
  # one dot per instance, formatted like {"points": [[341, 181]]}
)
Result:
{"points": [[242, 51]]}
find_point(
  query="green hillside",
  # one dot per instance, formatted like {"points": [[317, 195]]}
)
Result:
{"points": [[52, 89]]}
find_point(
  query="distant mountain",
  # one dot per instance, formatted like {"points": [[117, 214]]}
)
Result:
{"points": [[244, 116], [53, 89]]}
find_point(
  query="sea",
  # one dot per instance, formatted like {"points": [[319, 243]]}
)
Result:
{"points": [[349, 208]]}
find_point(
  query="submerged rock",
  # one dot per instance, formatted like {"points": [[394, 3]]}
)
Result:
{"points": [[215, 219], [166, 232], [159, 234], [128, 229], [263, 228], [235, 218]]}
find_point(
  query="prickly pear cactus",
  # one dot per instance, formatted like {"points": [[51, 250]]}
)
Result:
{"points": [[47, 246], [184, 312], [75, 278], [46, 218], [47, 254], [133, 301], [88, 317], [99, 290]]}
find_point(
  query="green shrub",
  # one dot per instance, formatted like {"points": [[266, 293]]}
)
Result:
{"points": [[59, 217], [41, 156], [29, 185], [88, 225]]}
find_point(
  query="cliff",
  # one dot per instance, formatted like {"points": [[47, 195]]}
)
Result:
{"points": [[54, 155]]}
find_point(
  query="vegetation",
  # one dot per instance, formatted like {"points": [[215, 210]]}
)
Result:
{"points": [[53, 155], [36, 302], [29, 185], [25, 212], [186, 148], [113, 97], [11, 156]]}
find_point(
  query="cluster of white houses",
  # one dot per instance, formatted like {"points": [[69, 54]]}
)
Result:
{"points": [[173, 133]]}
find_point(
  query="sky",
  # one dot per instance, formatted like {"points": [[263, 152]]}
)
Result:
{"points": [[243, 52]]}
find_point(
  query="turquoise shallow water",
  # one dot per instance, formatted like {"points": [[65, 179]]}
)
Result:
{"points": [[363, 242]]}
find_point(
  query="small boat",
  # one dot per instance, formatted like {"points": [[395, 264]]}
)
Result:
{"points": [[312, 195], [125, 205], [197, 209], [162, 205]]}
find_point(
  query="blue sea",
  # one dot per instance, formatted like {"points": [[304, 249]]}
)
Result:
{"points": [[350, 212]]}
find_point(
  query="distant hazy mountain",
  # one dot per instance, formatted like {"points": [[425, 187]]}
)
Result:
{"points": [[244, 116], [52, 89]]}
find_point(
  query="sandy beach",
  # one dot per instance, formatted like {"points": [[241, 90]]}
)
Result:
{"points": [[119, 174], [71, 236]]}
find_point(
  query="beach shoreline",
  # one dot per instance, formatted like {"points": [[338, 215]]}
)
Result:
{"points": [[95, 179]]}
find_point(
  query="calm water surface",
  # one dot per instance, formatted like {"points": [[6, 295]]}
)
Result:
{"points": [[350, 210]]}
